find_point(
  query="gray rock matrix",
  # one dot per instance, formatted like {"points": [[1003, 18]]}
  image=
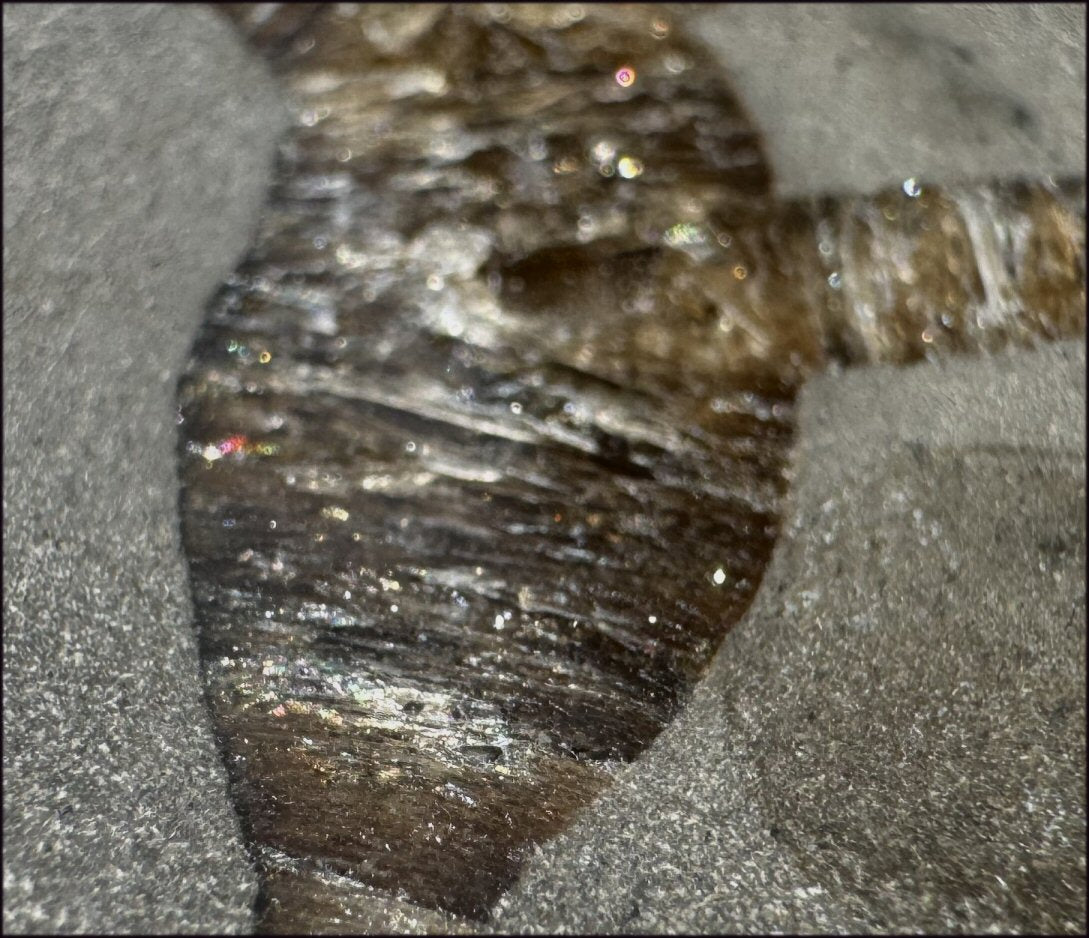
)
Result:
{"points": [[894, 737], [137, 145]]}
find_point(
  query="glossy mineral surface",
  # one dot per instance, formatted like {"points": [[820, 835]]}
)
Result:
{"points": [[485, 442]]}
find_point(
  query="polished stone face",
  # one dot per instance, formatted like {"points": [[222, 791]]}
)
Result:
{"points": [[484, 444]]}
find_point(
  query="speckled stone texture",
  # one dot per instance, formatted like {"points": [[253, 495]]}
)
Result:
{"points": [[135, 156], [851, 96], [894, 737], [137, 142]]}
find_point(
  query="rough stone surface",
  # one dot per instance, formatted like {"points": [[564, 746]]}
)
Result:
{"points": [[894, 737], [137, 145], [136, 151], [853, 96]]}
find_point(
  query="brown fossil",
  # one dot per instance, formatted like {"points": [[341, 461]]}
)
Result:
{"points": [[484, 444]]}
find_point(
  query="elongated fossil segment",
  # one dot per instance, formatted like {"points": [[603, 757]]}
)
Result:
{"points": [[485, 442]]}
